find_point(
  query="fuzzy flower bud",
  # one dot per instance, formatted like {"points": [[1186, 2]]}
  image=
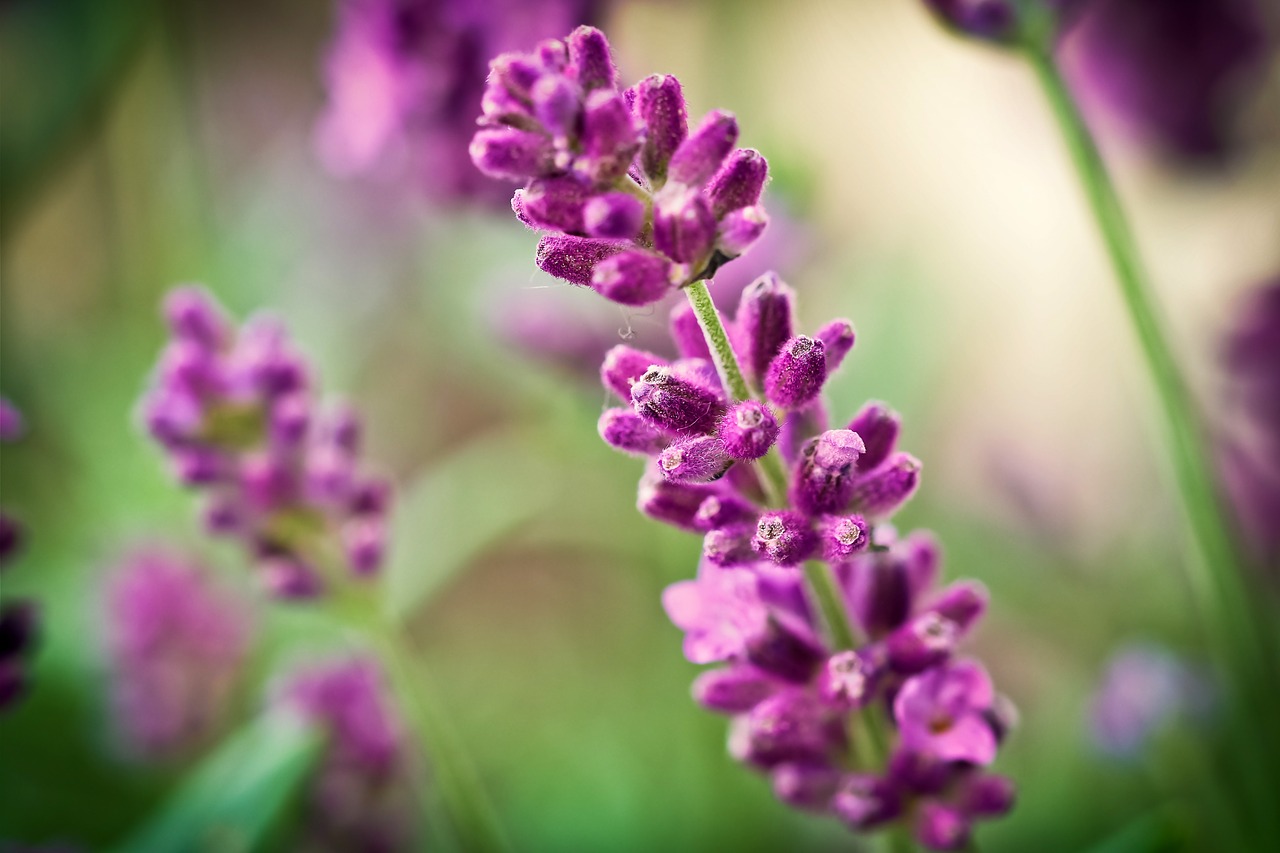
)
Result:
{"points": [[878, 425], [574, 259], [623, 365], [882, 492], [634, 277], [732, 690], [702, 153], [748, 430], [824, 478], [700, 459], [623, 429], [785, 537], [660, 105], [740, 229], [675, 404], [511, 153], [763, 323], [796, 373], [687, 333], [615, 215], [844, 536], [837, 339], [739, 182], [676, 504]]}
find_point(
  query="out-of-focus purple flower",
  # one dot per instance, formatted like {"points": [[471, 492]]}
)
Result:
{"points": [[233, 409], [637, 202], [359, 798], [941, 713], [1004, 21], [176, 644], [1176, 73], [404, 79], [1144, 688], [19, 619]]}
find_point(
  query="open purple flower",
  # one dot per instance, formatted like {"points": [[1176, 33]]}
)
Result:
{"points": [[942, 713]]}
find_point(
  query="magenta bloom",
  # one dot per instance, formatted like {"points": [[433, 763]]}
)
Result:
{"points": [[720, 612], [942, 713], [176, 644], [1144, 688]]}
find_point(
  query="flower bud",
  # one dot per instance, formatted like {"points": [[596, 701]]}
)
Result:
{"points": [[730, 545], [623, 429], [732, 690], [687, 332], [556, 104], [963, 602], [634, 277], [942, 827], [847, 680], [266, 481], [365, 543], [623, 365], [880, 593], [790, 726], [616, 215], [986, 795], [660, 105], [989, 20], [555, 203], [589, 53], [882, 492], [740, 229], [844, 536], [674, 503], [824, 477], [290, 421], [797, 373], [702, 153], [799, 426], [725, 510], [684, 228], [739, 182], [609, 139], [879, 426], [574, 259], [700, 459], [785, 537], [199, 466], [193, 316], [763, 323], [748, 430], [512, 154], [837, 339], [805, 785], [289, 580], [865, 801], [675, 404], [923, 642]]}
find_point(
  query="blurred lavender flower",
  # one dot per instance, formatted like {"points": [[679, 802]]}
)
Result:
{"points": [[234, 411], [1250, 457], [359, 799], [637, 203], [1144, 688], [406, 77], [11, 429], [1175, 72], [1005, 22], [19, 619], [177, 644]]}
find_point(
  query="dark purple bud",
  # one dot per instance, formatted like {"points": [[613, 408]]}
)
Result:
{"points": [[555, 203], [687, 332], [553, 54], [224, 516], [785, 649], [556, 103], [623, 429], [865, 801], [984, 795], [623, 365], [11, 537], [942, 827], [675, 404], [574, 259], [700, 459], [763, 323], [673, 503], [848, 679], [290, 420], [837, 339], [660, 105], [797, 373], [193, 315], [19, 624], [740, 229], [726, 510], [189, 366], [365, 543], [266, 481], [963, 602], [511, 153], [789, 726], [616, 215], [748, 430], [882, 492], [807, 786], [698, 370], [879, 592], [739, 182], [171, 417], [684, 228], [729, 546], [785, 537], [609, 138], [879, 426], [589, 53], [798, 427], [824, 478], [923, 642], [289, 580], [844, 536], [515, 74], [329, 473], [199, 466], [920, 773], [635, 277], [732, 690], [702, 153], [371, 497]]}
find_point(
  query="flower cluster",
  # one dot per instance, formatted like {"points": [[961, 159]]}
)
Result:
{"points": [[176, 644], [405, 76], [359, 798], [19, 620], [884, 728], [637, 202], [233, 409]]}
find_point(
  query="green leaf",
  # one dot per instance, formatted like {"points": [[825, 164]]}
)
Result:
{"points": [[234, 797]]}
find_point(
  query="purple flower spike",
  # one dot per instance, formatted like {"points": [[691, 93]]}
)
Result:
{"points": [[785, 537], [941, 827], [848, 679], [740, 229], [879, 426], [837, 339], [623, 429], [797, 373], [675, 404], [700, 459], [672, 503], [589, 52], [660, 105], [702, 153], [732, 690], [574, 259], [748, 430], [763, 323], [634, 277], [616, 216], [623, 365], [865, 802], [804, 785], [511, 153], [844, 536], [824, 479], [725, 510], [881, 493], [687, 333], [684, 228], [941, 713], [739, 182]]}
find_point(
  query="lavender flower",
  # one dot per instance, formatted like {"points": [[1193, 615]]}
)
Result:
{"points": [[233, 410], [1144, 689], [359, 799], [176, 644], [19, 619], [1005, 22], [637, 203], [404, 78], [11, 429]]}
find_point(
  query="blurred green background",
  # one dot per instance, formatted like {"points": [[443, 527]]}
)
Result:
{"points": [[150, 143]]}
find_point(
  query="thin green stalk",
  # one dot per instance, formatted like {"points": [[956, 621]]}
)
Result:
{"points": [[826, 589]]}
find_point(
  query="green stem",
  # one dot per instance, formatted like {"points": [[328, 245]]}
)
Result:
{"points": [[826, 589]]}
